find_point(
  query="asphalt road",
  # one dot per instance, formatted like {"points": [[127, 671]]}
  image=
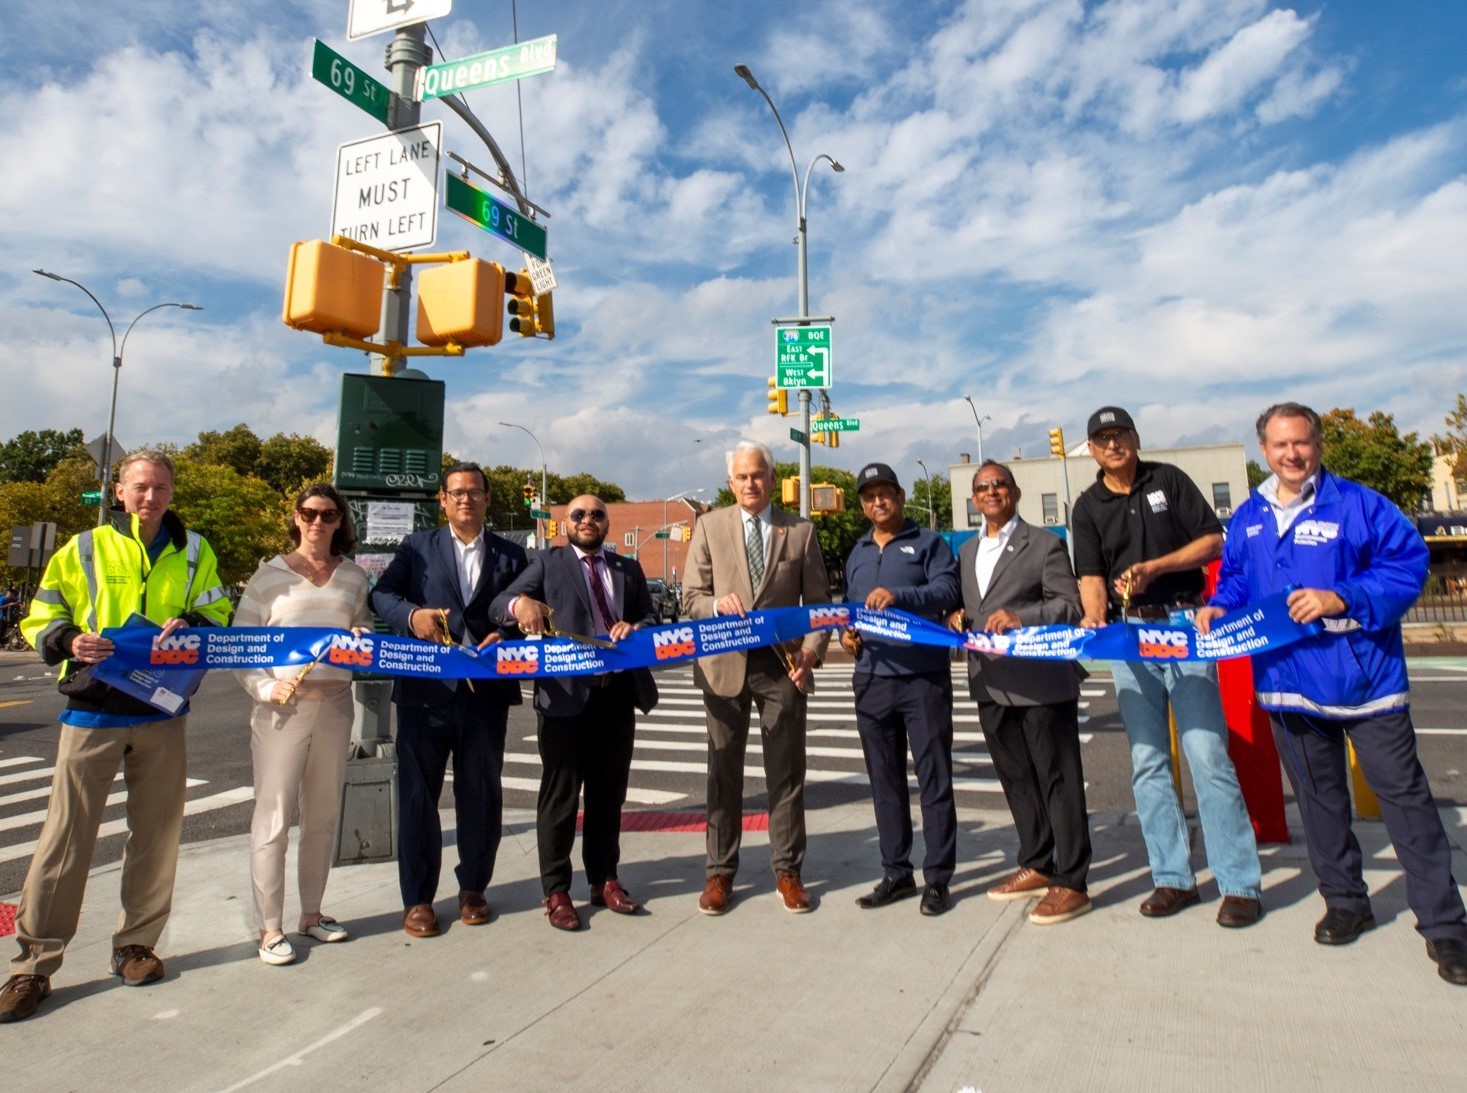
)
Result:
{"points": [[668, 768]]}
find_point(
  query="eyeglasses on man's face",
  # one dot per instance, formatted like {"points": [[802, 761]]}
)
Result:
{"points": [[326, 516], [577, 515], [465, 495]]}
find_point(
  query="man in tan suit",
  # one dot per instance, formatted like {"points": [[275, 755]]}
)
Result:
{"points": [[744, 558]]}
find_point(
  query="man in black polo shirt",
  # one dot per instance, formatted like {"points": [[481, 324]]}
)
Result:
{"points": [[1143, 533]]}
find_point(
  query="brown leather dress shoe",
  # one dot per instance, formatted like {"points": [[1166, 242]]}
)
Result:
{"points": [[473, 908], [137, 964], [795, 895], [561, 912], [420, 921], [613, 895], [717, 895], [1168, 901], [1021, 884], [23, 993], [1239, 911], [1059, 904]]}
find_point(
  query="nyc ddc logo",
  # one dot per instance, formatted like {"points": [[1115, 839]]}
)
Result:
{"points": [[175, 649], [674, 642], [509, 661], [829, 616], [1162, 644], [350, 651]]}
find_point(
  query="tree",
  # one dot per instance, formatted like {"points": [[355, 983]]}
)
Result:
{"points": [[32, 455], [942, 500], [289, 462], [1257, 474], [243, 518], [1454, 441], [1374, 453], [238, 448]]}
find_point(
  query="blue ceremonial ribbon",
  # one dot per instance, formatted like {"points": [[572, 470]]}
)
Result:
{"points": [[1265, 625]]}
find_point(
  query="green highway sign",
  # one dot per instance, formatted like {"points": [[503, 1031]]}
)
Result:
{"points": [[485, 69], [802, 356], [540, 514], [478, 207], [836, 425], [91, 497], [349, 81]]}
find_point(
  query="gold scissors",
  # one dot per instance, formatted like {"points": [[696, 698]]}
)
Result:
{"points": [[447, 639], [300, 676], [584, 639], [1126, 596]]}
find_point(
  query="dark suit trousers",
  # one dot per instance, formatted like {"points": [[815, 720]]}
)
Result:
{"points": [[1313, 753], [1036, 755], [782, 727], [471, 729], [591, 751], [890, 712]]}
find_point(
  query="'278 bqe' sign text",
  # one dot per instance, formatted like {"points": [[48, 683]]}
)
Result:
{"points": [[387, 188]]}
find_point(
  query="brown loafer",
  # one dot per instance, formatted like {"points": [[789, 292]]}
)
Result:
{"points": [[420, 921], [717, 895], [1021, 884], [1168, 901], [611, 894], [561, 912], [1239, 911], [795, 895], [473, 908], [1059, 904]]}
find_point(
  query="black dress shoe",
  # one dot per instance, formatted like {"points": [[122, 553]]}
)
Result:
{"points": [[1340, 926], [935, 899], [1451, 959], [889, 890]]}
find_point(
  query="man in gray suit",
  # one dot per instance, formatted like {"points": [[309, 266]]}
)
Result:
{"points": [[1015, 575], [748, 556]]}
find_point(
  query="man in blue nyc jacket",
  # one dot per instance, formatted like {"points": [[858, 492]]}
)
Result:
{"points": [[1356, 564], [904, 692]]}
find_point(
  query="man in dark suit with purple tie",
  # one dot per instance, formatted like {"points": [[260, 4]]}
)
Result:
{"points": [[586, 723], [439, 588]]}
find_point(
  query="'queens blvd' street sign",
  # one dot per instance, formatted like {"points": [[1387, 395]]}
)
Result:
{"points": [[387, 188]]}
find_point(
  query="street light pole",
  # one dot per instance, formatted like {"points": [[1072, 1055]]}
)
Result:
{"points": [[117, 355], [978, 422], [931, 503], [803, 269], [544, 499], [666, 528]]}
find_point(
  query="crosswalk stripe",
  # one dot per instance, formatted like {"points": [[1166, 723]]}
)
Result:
{"points": [[19, 761]]}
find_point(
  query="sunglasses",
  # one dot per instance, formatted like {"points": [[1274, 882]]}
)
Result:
{"points": [[988, 487], [577, 515], [1117, 439], [465, 495], [326, 516]]}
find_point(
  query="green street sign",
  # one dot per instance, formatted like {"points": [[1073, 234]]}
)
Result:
{"points": [[540, 514], [495, 217], [802, 356], [662, 535], [486, 69], [91, 497], [836, 425], [349, 81], [797, 436]]}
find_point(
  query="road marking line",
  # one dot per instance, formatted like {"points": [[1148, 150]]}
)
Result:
{"points": [[21, 760], [16, 702], [299, 1057]]}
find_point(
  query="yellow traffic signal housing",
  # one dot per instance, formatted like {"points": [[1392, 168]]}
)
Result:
{"points": [[332, 290], [1057, 442], [687, 533], [529, 494], [789, 491], [534, 316], [827, 498], [817, 437], [779, 398], [550, 529], [833, 439], [459, 302]]}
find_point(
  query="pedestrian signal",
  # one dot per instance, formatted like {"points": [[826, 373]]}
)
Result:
{"points": [[459, 302], [332, 290]]}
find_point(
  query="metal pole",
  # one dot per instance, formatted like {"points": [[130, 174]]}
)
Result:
{"points": [[931, 505], [406, 54], [539, 531], [978, 422]]}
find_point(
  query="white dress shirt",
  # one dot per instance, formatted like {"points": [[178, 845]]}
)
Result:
{"points": [[1285, 515], [990, 549]]}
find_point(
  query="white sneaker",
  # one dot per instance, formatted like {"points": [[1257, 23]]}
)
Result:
{"points": [[278, 950], [326, 929]]}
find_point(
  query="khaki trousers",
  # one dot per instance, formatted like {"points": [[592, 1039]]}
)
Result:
{"points": [[154, 761], [299, 753]]}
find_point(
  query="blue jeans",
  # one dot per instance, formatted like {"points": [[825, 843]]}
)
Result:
{"points": [[1143, 689]]}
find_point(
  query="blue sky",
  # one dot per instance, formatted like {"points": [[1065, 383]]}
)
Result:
{"points": [[1192, 208]]}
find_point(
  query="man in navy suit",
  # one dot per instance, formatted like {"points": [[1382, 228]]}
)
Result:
{"points": [[585, 722], [439, 588]]}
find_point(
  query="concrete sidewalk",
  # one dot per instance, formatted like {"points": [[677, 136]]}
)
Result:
{"points": [[838, 999]]}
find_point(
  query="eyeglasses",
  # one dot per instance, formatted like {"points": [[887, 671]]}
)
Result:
{"points": [[577, 515], [989, 487], [465, 495], [1115, 439], [326, 516]]}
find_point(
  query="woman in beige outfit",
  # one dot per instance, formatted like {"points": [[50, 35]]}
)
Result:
{"points": [[300, 729]]}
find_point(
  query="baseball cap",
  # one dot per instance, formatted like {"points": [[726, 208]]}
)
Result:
{"points": [[876, 472], [1109, 417]]}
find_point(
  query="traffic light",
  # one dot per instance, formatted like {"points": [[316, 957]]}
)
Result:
{"points": [[529, 495], [550, 529], [789, 491], [687, 533], [1057, 442], [459, 302], [534, 316], [779, 398], [833, 439], [815, 436], [332, 290]]}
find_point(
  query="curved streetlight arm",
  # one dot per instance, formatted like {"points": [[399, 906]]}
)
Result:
{"points": [[978, 422], [110, 328], [835, 165], [544, 499], [122, 350], [748, 78]]}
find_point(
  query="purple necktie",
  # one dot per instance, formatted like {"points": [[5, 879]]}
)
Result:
{"points": [[598, 594]]}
